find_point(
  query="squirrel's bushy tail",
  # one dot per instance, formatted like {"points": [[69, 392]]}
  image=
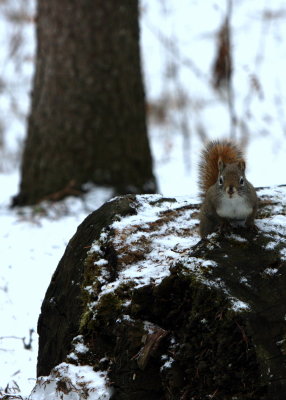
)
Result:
{"points": [[227, 150]]}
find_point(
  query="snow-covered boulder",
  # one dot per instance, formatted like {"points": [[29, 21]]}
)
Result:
{"points": [[140, 308]]}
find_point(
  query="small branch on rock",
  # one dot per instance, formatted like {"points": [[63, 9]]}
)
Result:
{"points": [[151, 345]]}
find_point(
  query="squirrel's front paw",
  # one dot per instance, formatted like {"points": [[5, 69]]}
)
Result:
{"points": [[252, 228], [224, 228]]}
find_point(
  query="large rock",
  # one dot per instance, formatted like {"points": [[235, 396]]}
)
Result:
{"points": [[63, 306], [165, 315]]}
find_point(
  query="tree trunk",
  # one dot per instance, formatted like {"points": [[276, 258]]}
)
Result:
{"points": [[87, 122]]}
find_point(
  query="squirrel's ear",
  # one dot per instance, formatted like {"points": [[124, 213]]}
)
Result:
{"points": [[220, 165], [241, 165]]}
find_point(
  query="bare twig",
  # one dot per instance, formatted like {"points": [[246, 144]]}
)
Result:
{"points": [[174, 51], [27, 346]]}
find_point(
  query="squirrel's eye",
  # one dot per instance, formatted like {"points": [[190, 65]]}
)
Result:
{"points": [[241, 181], [220, 181]]}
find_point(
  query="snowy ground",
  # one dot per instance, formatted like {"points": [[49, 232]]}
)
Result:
{"points": [[31, 245], [178, 45]]}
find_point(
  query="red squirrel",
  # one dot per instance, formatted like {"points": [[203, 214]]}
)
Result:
{"points": [[227, 195]]}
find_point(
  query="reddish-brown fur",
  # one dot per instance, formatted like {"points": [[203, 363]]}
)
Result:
{"points": [[225, 150]]}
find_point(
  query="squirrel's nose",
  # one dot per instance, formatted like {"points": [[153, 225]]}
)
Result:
{"points": [[230, 189]]}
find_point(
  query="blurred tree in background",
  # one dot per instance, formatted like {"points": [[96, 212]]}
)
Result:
{"points": [[87, 121]]}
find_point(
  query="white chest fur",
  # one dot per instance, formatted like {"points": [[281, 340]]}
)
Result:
{"points": [[235, 207]]}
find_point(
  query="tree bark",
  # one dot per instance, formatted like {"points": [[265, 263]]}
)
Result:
{"points": [[87, 121]]}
